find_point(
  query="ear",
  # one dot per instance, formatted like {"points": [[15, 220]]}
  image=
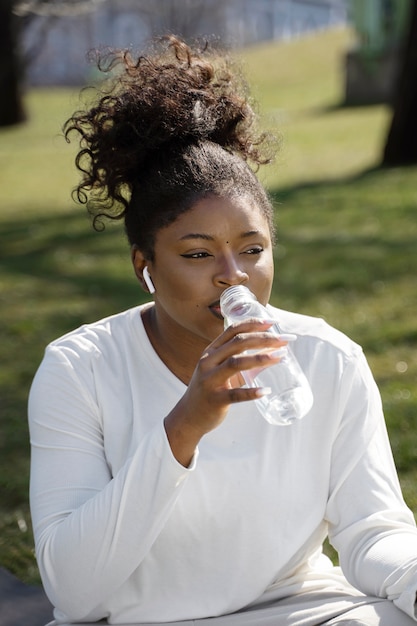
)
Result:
{"points": [[139, 263]]}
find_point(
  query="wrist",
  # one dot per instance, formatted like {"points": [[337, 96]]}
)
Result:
{"points": [[182, 436]]}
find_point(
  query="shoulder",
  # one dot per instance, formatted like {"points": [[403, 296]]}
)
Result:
{"points": [[100, 337], [92, 354], [334, 364], [315, 331]]}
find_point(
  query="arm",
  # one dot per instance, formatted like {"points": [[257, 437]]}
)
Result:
{"points": [[92, 529], [370, 525]]}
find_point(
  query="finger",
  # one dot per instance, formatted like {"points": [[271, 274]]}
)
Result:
{"points": [[245, 394], [246, 326], [241, 352], [218, 377], [250, 326], [253, 342], [256, 361]]}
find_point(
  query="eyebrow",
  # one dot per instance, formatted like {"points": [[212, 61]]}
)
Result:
{"points": [[206, 237]]}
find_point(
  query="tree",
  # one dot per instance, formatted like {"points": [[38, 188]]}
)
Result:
{"points": [[15, 16], [184, 17], [11, 103], [401, 143]]}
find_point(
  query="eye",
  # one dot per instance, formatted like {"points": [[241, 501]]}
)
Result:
{"points": [[196, 255], [254, 250]]}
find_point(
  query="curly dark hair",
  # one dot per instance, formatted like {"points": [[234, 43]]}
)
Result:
{"points": [[173, 127]]}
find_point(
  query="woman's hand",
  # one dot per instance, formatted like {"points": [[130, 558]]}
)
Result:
{"points": [[216, 383]]}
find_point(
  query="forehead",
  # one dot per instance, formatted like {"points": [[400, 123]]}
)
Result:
{"points": [[217, 216]]}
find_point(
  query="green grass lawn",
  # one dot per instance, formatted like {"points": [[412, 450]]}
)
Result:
{"points": [[346, 249]]}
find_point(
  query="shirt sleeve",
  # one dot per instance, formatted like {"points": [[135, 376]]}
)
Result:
{"points": [[370, 525], [92, 529]]}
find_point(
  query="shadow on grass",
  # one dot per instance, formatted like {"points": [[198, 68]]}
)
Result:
{"points": [[348, 236], [66, 249]]}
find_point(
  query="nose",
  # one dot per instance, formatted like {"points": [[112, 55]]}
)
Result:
{"points": [[230, 273]]}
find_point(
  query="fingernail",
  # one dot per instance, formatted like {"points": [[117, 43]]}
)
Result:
{"points": [[263, 391], [287, 337], [279, 353]]}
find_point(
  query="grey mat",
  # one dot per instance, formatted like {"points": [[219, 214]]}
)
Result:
{"points": [[22, 605]]}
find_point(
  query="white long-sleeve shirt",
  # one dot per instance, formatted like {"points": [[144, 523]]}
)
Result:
{"points": [[124, 532]]}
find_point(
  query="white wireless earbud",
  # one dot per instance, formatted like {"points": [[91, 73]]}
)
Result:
{"points": [[148, 280]]}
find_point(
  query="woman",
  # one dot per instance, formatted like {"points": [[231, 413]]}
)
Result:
{"points": [[158, 492]]}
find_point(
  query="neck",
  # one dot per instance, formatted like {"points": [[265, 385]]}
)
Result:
{"points": [[178, 351]]}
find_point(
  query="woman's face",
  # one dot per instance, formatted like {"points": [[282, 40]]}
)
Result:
{"points": [[218, 243]]}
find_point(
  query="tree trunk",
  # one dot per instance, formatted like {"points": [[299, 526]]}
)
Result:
{"points": [[401, 143], [11, 106]]}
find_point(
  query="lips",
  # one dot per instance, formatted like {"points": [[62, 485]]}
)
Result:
{"points": [[215, 309]]}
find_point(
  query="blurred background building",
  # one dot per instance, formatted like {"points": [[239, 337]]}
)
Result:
{"points": [[58, 34]]}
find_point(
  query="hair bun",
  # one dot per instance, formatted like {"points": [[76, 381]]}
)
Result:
{"points": [[158, 103]]}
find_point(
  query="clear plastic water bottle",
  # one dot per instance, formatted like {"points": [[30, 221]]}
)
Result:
{"points": [[291, 396]]}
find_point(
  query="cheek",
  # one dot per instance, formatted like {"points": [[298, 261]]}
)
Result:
{"points": [[180, 294], [186, 284], [264, 282], [265, 266], [170, 274]]}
